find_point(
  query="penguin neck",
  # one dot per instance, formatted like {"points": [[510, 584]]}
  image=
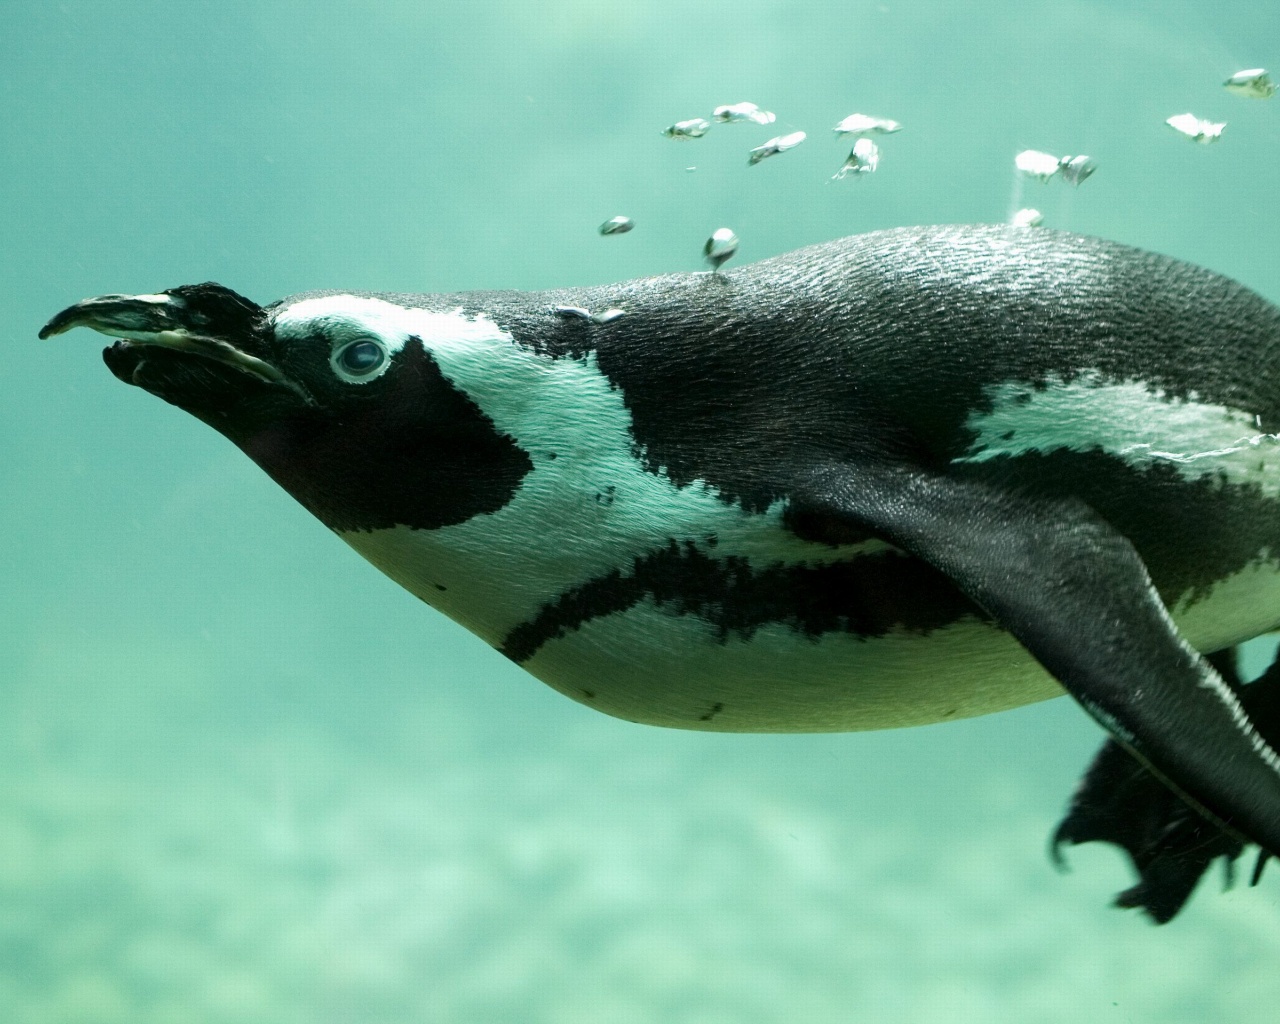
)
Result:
{"points": [[496, 570], [581, 515]]}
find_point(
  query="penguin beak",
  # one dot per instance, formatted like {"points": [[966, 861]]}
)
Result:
{"points": [[163, 320]]}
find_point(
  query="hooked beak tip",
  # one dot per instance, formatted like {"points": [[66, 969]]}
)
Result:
{"points": [[59, 324], [121, 316]]}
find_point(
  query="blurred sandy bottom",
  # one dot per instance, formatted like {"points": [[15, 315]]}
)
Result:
{"points": [[584, 884]]}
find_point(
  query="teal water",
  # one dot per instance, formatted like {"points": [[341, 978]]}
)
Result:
{"points": [[247, 779]]}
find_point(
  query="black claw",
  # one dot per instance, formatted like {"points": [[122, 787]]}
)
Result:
{"points": [[1258, 865]]}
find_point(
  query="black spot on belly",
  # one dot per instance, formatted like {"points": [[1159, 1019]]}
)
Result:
{"points": [[866, 596], [716, 708]]}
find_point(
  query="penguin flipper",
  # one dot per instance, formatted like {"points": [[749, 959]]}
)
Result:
{"points": [[1171, 845], [1074, 592]]}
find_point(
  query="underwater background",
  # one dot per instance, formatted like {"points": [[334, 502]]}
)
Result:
{"points": [[245, 778]]}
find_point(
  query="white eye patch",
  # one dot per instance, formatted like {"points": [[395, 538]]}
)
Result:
{"points": [[365, 333]]}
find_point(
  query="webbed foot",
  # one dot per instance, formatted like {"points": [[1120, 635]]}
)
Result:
{"points": [[1170, 844]]}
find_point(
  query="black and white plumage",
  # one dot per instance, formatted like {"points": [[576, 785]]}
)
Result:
{"points": [[898, 478]]}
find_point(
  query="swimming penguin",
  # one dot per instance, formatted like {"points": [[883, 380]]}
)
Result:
{"points": [[904, 477]]}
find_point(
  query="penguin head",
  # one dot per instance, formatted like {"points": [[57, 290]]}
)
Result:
{"points": [[338, 397]]}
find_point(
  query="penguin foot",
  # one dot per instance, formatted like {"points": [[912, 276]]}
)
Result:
{"points": [[1170, 844]]}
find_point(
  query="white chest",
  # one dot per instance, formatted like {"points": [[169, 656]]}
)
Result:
{"points": [[590, 510]]}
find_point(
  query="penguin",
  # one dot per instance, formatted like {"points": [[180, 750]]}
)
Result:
{"points": [[904, 477]]}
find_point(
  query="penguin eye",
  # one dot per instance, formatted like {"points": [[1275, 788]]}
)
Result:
{"points": [[358, 360]]}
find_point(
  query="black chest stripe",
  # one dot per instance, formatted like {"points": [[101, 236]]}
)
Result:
{"points": [[867, 596]]}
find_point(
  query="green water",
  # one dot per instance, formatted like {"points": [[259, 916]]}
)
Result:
{"points": [[247, 779]]}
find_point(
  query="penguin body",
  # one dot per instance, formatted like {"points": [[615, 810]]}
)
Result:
{"points": [[898, 478], [643, 564]]}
